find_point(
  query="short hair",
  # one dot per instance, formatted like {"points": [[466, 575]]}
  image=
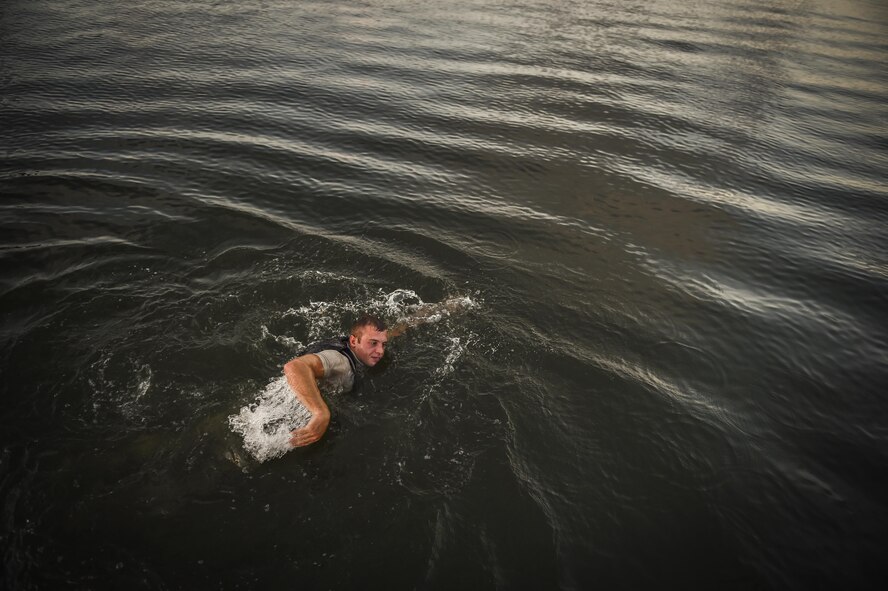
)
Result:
{"points": [[364, 321]]}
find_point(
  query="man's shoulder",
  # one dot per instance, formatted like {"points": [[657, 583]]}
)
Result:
{"points": [[334, 344], [334, 361]]}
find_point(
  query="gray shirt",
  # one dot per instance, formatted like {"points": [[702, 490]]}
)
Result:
{"points": [[338, 374]]}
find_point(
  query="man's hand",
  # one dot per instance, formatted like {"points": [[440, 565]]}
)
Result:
{"points": [[302, 374], [313, 431]]}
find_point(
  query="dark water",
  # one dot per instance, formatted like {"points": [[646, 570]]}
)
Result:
{"points": [[670, 218]]}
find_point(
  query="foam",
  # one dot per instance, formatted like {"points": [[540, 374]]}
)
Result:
{"points": [[265, 424]]}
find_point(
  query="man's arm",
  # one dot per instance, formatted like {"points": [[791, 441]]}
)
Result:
{"points": [[429, 313], [302, 374]]}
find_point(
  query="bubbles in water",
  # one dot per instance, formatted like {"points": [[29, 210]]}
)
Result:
{"points": [[265, 424], [284, 340], [455, 350], [120, 385], [398, 299], [144, 375]]}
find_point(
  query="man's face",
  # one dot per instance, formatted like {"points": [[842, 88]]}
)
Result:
{"points": [[370, 346]]}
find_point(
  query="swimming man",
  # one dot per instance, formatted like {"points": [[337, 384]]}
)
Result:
{"points": [[338, 363]]}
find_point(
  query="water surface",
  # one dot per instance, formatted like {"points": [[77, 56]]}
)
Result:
{"points": [[669, 218]]}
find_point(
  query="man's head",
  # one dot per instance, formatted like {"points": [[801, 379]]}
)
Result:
{"points": [[368, 338]]}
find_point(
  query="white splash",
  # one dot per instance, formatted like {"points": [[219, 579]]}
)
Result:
{"points": [[265, 424], [144, 376], [282, 339], [454, 351]]}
